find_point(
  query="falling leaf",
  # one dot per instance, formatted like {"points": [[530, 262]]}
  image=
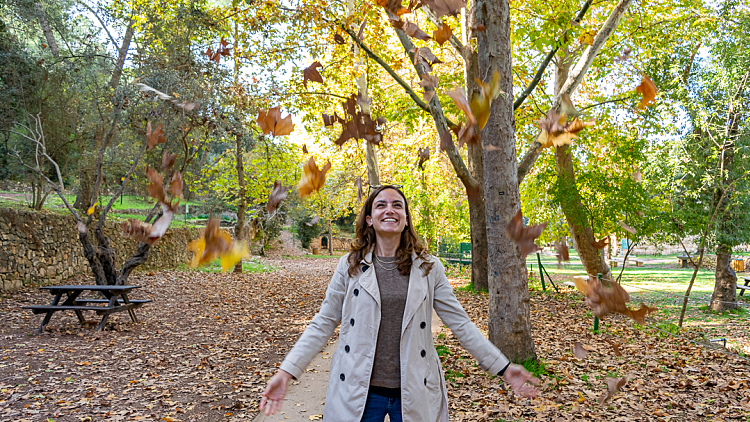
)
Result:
{"points": [[166, 97], [393, 6], [563, 254], [481, 103], [524, 236], [145, 232], [615, 347], [156, 185], [411, 29], [233, 257], [304, 149], [311, 73], [175, 186], [442, 34], [360, 191], [271, 122], [155, 137], [648, 90], [313, 178], [91, 209], [445, 7], [626, 227], [479, 27], [216, 243], [567, 107], [466, 132], [587, 37], [491, 148], [606, 300], [429, 83], [167, 161], [613, 386], [623, 57], [277, 195], [601, 244], [361, 31], [427, 56], [555, 131], [338, 39], [446, 140], [330, 119], [636, 175], [313, 221], [360, 124], [578, 351], [424, 155], [81, 227]]}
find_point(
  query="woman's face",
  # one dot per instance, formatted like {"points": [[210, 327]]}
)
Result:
{"points": [[388, 214]]}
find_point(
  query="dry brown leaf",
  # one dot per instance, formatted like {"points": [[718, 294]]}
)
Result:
{"points": [[458, 97], [271, 122], [304, 148], [613, 386], [360, 191], [563, 254], [313, 178], [360, 124], [429, 83], [626, 227], [578, 351], [442, 34], [175, 188], [647, 88], [600, 244], [277, 195], [567, 107], [155, 137], [555, 131], [424, 155], [481, 103], [446, 140], [414, 31], [606, 300], [393, 6], [445, 7], [147, 233], [156, 185], [524, 236], [338, 39], [167, 161], [615, 347], [311, 73], [479, 27]]}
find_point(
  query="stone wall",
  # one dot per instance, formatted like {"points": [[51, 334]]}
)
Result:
{"points": [[43, 248], [339, 243]]}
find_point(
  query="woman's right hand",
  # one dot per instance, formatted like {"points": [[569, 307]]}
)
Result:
{"points": [[275, 392]]}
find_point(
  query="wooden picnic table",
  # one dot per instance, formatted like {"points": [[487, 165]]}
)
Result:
{"points": [[745, 287], [116, 301]]}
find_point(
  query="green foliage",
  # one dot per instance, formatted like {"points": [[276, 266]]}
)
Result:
{"points": [[307, 232], [536, 366]]}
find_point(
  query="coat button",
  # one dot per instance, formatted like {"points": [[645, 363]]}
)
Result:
{"points": [[343, 377], [423, 353], [365, 268], [422, 325], [425, 380], [346, 348], [356, 292], [351, 321]]}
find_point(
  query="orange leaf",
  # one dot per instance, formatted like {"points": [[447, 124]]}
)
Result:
{"points": [[445, 7], [311, 73], [429, 83], [155, 137], [648, 90], [600, 244], [442, 34], [313, 178], [606, 300]]}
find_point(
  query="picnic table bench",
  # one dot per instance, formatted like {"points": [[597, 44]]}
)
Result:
{"points": [[684, 259], [745, 287], [116, 301], [613, 262]]}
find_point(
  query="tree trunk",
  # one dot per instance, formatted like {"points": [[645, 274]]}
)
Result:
{"points": [[46, 29], [85, 190], [725, 285], [509, 313], [239, 229], [122, 54]]}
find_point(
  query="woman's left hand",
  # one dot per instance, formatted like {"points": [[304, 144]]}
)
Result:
{"points": [[521, 381]]}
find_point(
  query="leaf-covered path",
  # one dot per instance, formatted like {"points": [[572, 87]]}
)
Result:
{"points": [[209, 341]]}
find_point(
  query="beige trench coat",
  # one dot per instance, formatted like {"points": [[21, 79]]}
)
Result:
{"points": [[354, 302]]}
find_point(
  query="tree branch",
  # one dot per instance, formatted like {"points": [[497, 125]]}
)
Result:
{"points": [[106, 209]]}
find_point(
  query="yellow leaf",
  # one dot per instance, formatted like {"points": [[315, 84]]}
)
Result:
{"points": [[581, 398], [91, 209], [230, 259]]}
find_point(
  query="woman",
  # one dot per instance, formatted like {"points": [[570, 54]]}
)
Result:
{"points": [[383, 294]]}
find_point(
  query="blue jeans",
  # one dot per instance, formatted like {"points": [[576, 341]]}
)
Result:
{"points": [[378, 406]]}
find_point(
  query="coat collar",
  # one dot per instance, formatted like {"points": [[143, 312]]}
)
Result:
{"points": [[415, 294]]}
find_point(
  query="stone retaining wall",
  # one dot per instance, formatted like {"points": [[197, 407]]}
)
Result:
{"points": [[43, 248], [339, 243]]}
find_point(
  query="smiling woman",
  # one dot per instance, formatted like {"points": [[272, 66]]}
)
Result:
{"points": [[384, 291]]}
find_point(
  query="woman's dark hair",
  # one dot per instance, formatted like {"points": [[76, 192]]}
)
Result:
{"points": [[364, 239]]}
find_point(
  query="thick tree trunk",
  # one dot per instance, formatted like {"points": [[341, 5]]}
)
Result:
{"points": [[239, 229], [509, 313], [85, 190], [478, 228], [725, 285]]}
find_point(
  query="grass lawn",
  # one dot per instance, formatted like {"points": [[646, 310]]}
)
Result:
{"points": [[215, 267], [129, 202]]}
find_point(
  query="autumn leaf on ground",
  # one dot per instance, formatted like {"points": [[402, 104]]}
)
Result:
{"points": [[277, 195], [167, 161], [606, 300], [648, 90], [410, 29], [613, 386], [271, 122], [424, 155], [216, 243], [311, 73], [393, 6], [466, 132], [313, 178], [360, 191], [524, 236], [445, 7], [313, 221], [481, 103], [429, 83], [600, 244], [442, 34], [155, 137], [626, 227], [578, 351]]}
